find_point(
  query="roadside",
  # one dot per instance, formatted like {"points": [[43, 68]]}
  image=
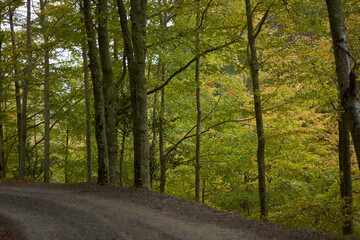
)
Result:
{"points": [[88, 211]]}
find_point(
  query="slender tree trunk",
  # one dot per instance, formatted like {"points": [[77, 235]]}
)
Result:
{"points": [[198, 110], [258, 112], [203, 192], [162, 73], [66, 159], [16, 76], [122, 151], [110, 91], [346, 78], [2, 161], [100, 132], [135, 48], [345, 176], [87, 114], [161, 143], [46, 92], [31, 171], [154, 141], [23, 130]]}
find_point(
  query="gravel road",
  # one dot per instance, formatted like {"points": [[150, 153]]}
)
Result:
{"points": [[87, 211]]}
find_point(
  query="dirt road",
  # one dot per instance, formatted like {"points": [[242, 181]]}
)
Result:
{"points": [[85, 211]]}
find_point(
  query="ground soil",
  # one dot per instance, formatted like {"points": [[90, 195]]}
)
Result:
{"points": [[33, 211]]}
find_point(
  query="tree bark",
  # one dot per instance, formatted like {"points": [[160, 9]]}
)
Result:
{"points": [[122, 151], [87, 114], [345, 176], [100, 131], [258, 112], [203, 192], [161, 143], [154, 141], [135, 48], [66, 158], [346, 78], [2, 160], [198, 110], [23, 130], [110, 91], [349, 118], [162, 73], [46, 93], [16, 77]]}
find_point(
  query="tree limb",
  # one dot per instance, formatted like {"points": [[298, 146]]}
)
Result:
{"points": [[260, 24], [188, 64]]}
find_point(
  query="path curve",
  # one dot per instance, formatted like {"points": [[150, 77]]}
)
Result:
{"points": [[48, 211]]}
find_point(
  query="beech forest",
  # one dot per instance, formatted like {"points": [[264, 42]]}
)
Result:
{"points": [[249, 107]]}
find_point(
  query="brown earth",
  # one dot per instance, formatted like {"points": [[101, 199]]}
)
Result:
{"points": [[34, 211]]}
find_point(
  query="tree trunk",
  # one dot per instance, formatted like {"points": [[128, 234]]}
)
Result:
{"points": [[203, 192], [122, 151], [32, 170], [66, 158], [198, 110], [345, 176], [46, 93], [346, 78], [161, 143], [258, 112], [162, 73], [23, 130], [2, 161], [87, 114], [109, 89], [135, 48], [16, 77], [154, 141], [100, 131], [350, 119], [137, 76]]}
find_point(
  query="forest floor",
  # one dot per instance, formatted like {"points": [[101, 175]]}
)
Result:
{"points": [[33, 211]]}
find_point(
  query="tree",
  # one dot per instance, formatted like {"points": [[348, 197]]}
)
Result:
{"points": [[66, 156], [135, 49], [198, 108], [346, 76], [16, 77], [27, 78], [253, 62], [109, 89], [46, 91], [350, 103], [163, 164], [164, 19], [2, 161], [99, 103], [87, 113]]}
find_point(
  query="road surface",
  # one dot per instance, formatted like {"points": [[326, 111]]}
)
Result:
{"points": [[87, 211]]}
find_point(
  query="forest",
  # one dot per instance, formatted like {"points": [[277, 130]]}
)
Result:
{"points": [[250, 107]]}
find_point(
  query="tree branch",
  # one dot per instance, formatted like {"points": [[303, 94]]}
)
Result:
{"points": [[203, 14], [242, 121], [188, 64], [260, 24]]}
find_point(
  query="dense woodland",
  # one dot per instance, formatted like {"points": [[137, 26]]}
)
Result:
{"points": [[235, 104]]}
